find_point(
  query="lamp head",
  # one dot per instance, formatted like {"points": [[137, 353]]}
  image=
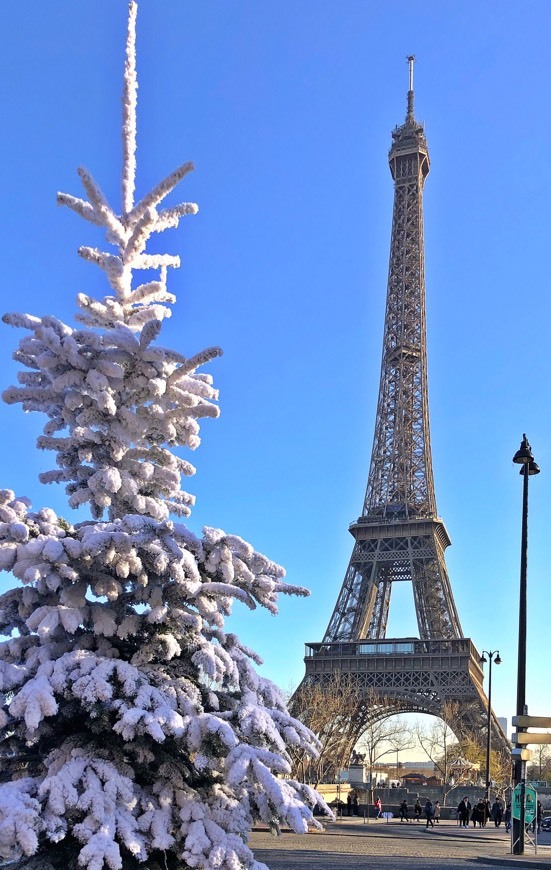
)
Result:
{"points": [[483, 659], [524, 453], [532, 466], [498, 659]]}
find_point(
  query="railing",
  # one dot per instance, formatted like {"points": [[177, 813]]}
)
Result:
{"points": [[392, 518], [394, 647]]}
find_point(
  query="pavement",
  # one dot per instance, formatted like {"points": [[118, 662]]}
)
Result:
{"points": [[350, 844]]}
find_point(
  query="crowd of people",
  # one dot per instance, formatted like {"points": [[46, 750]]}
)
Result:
{"points": [[432, 812], [498, 812], [481, 813], [352, 803]]}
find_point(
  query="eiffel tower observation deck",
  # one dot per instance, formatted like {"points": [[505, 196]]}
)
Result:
{"points": [[399, 537]]}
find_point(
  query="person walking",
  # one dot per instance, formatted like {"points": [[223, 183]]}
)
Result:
{"points": [[429, 813], [417, 811], [537, 818], [437, 812], [487, 812], [378, 808], [507, 818], [463, 812], [497, 813], [404, 811], [355, 809], [479, 814], [348, 804]]}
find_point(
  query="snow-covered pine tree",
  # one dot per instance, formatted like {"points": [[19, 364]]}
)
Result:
{"points": [[134, 730]]}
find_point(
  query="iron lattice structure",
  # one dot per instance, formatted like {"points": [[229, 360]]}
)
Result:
{"points": [[399, 536]]}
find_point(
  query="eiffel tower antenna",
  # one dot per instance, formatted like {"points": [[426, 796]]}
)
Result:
{"points": [[411, 61], [399, 537]]}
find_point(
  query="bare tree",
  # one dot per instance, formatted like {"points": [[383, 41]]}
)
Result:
{"points": [[401, 740], [382, 737], [450, 756], [540, 768], [329, 710]]}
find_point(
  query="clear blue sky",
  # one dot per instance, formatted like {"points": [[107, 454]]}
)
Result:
{"points": [[286, 110]]}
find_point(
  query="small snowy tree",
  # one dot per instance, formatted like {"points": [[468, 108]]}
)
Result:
{"points": [[133, 728]]}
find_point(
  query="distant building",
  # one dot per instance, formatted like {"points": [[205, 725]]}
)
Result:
{"points": [[414, 780], [503, 721]]}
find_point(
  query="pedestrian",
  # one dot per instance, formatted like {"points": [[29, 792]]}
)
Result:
{"points": [[355, 808], [275, 830], [507, 818], [429, 813], [497, 813], [417, 810], [479, 814], [463, 812], [378, 808], [404, 811], [348, 804], [437, 812], [487, 811], [537, 817]]}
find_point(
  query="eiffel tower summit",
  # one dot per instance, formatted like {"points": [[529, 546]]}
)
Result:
{"points": [[399, 537]]}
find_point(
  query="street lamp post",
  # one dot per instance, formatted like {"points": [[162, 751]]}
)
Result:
{"points": [[483, 660], [525, 459]]}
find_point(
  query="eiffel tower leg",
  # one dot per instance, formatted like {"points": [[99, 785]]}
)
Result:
{"points": [[434, 604], [363, 601], [384, 554], [379, 617]]}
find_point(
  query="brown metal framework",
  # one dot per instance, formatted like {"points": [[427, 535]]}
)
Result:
{"points": [[399, 536]]}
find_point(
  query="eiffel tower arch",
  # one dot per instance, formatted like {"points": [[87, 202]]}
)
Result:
{"points": [[399, 537]]}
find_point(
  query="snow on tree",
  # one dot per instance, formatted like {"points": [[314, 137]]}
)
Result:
{"points": [[134, 729]]}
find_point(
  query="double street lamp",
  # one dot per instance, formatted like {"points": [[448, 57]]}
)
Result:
{"points": [[525, 459], [483, 660]]}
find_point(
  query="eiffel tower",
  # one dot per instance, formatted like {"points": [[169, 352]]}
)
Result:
{"points": [[399, 536]]}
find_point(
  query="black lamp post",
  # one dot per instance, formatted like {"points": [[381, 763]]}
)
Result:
{"points": [[525, 459], [483, 660]]}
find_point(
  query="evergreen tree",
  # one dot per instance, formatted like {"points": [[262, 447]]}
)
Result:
{"points": [[133, 727]]}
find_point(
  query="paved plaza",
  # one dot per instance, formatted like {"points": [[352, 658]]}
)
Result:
{"points": [[350, 844]]}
